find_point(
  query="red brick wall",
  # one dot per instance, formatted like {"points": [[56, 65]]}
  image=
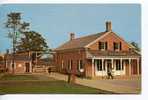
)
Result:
{"points": [[73, 55], [110, 38], [18, 69], [79, 54], [88, 68]]}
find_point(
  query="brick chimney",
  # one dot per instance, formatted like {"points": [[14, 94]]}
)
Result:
{"points": [[108, 26], [72, 36]]}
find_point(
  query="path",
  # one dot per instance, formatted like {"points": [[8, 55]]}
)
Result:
{"points": [[117, 85]]}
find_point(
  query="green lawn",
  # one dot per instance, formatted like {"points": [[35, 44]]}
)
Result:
{"points": [[11, 84], [18, 77]]}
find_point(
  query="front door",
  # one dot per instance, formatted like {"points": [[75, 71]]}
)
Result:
{"points": [[27, 67]]}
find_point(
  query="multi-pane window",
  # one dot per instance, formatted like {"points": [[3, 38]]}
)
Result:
{"points": [[118, 65], [117, 46], [99, 65], [70, 64], [102, 46], [79, 64]]}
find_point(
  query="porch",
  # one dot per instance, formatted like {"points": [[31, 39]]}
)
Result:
{"points": [[122, 66]]}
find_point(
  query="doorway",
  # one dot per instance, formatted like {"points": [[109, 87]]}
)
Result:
{"points": [[27, 67], [109, 65]]}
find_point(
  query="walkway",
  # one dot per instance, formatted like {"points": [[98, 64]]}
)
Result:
{"points": [[125, 86]]}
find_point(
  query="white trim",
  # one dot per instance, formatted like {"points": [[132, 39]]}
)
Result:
{"points": [[80, 69], [130, 71], [112, 63], [105, 35], [93, 68], [119, 37], [70, 64], [62, 66], [138, 67], [114, 71], [30, 66], [114, 57], [97, 39]]}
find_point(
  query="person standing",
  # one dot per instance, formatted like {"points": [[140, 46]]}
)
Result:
{"points": [[109, 73]]}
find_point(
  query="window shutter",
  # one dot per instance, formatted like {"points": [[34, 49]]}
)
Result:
{"points": [[120, 46], [99, 46], [105, 45]]}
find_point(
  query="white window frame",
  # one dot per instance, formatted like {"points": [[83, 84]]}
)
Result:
{"points": [[62, 66], [70, 64], [118, 43], [104, 46], [81, 69]]}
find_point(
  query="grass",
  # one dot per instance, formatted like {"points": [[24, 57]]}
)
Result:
{"points": [[18, 77], [30, 84]]}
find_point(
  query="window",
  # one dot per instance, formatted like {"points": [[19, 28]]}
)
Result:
{"points": [[102, 46], [118, 65], [69, 64], [79, 65], [62, 64], [99, 65], [117, 46]]}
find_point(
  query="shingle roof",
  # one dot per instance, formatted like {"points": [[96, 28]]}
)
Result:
{"points": [[19, 57], [80, 42]]}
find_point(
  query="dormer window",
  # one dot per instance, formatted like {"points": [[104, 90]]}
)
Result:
{"points": [[102, 46], [117, 46]]}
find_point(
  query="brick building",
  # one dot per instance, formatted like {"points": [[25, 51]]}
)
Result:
{"points": [[22, 63], [94, 54]]}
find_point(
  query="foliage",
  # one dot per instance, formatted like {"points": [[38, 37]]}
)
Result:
{"points": [[135, 45], [32, 41], [15, 25]]}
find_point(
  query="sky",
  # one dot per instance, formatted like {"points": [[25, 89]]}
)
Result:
{"points": [[56, 21]]}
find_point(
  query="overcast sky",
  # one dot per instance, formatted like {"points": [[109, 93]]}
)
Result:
{"points": [[55, 22]]}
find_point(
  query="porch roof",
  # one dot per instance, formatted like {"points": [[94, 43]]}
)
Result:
{"points": [[18, 57], [96, 53]]}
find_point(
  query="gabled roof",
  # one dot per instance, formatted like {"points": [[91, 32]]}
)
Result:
{"points": [[80, 42]]}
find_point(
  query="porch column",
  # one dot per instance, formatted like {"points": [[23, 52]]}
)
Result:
{"points": [[102, 67], [138, 66], [93, 68], [103, 64], [121, 63], [30, 65], [130, 67], [112, 63]]}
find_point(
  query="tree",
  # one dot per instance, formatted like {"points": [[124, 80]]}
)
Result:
{"points": [[32, 41], [15, 26], [135, 45]]}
